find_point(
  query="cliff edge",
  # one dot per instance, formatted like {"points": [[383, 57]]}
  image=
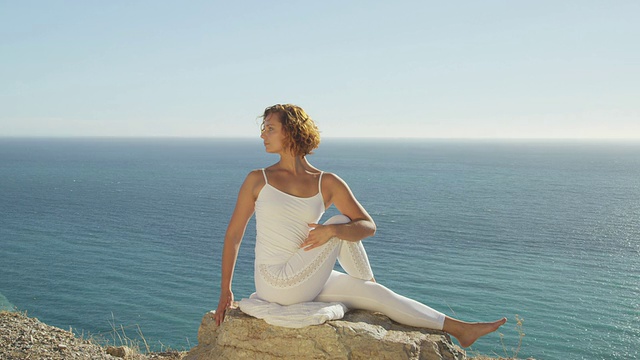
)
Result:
{"points": [[22, 337], [359, 335]]}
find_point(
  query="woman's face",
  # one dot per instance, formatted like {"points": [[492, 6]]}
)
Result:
{"points": [[272, 134]]}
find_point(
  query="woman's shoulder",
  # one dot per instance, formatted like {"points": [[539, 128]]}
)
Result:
{"points": [[255, 177], [331, 179], [330, 175], [253, 183], [256, 172]]}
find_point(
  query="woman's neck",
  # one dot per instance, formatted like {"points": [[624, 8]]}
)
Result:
{"points": [[294, 164]]}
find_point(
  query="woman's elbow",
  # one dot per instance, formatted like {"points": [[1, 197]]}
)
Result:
{"points": [[372, 228]]}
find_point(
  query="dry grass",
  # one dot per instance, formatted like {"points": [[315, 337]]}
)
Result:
{"points": [[138, 345], [119, 341]]}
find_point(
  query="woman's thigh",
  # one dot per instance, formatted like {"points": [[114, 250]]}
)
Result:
{"points": [[298, 280]]}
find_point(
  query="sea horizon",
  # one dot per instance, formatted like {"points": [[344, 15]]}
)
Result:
{"points": [[390, 138]]}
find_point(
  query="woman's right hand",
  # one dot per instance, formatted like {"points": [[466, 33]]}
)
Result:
{"points": [[226, 301]]}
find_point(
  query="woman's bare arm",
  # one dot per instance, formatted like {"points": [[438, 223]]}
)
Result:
{"points": [[243, 211], [337, 192]]}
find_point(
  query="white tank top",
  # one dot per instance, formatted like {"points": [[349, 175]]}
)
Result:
{"points": [[282, 222]]}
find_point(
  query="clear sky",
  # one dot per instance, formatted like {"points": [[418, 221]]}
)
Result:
{"points": [[445, 69]]}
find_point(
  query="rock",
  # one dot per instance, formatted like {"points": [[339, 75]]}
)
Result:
{"points": [[22, 337], [359, 335], [120, 351]]}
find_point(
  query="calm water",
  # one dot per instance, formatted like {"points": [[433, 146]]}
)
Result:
{"points": [[129, 231]]}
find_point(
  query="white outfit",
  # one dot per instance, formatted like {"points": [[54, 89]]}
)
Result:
{"points": [[286, 274], [292, 316]]}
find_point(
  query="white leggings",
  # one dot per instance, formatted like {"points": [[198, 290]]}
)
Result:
{"points": [[309, 276]]}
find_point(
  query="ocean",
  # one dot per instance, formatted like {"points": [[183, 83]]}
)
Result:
{"points": [[101, 233]]}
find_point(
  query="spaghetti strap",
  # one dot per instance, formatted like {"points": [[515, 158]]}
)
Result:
{"points": [[320, 182], [265, 176]]}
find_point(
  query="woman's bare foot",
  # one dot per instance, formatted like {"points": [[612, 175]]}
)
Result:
{"points": [[467, 333]]}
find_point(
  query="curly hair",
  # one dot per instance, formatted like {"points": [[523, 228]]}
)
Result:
{"points": [[301, 133]]}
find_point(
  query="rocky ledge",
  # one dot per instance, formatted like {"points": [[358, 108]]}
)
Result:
{"points": [[359, 335], [22, 337]]}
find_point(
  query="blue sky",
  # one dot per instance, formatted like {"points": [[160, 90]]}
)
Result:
{"points": [[464, 69]]}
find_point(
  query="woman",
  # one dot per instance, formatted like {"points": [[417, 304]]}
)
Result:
{"points": [[295, 255]]}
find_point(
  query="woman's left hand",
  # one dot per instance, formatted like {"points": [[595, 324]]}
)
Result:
{"points": [[318, 236]]}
